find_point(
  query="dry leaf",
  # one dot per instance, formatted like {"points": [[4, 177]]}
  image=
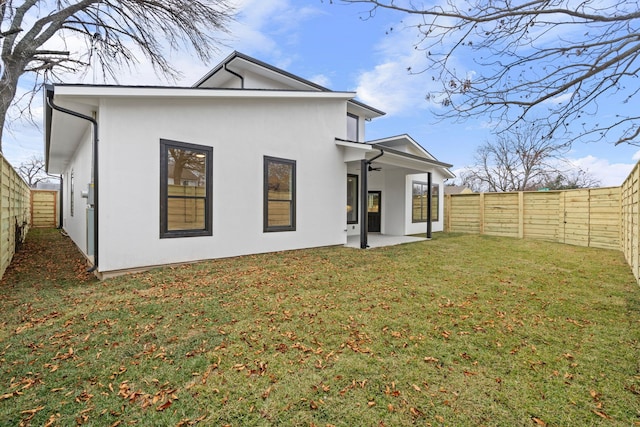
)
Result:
{"points": [[164, 406], [538, 421]]}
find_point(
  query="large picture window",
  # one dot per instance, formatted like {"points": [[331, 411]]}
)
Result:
{"points": [[352, 199], [185, 189], [419, 202], [279, 194]]}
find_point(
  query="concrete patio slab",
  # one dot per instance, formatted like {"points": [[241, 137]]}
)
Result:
{"points": [[376, 240]]}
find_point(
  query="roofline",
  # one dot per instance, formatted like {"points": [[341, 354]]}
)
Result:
{"points": [[402, 135], [368, 107], [368, 145], [411, 156], [155, 91], [235, 54]]}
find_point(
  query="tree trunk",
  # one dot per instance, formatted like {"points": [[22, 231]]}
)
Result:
{"points": [[8, 87]]}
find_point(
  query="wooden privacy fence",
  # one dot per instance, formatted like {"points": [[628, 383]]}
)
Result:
{"points": [[44, 208], [14, 212], [586, 217], [630, 218], [600, 217]]}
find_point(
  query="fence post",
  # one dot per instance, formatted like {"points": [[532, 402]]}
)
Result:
{"points": [[521, 214], [447, 213], [481, 225]]}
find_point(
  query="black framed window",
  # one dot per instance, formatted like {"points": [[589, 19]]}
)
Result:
{"points": [[352, 199], [435, 202], [185, 189], [279, 194], [352, 127], [419, 202]]}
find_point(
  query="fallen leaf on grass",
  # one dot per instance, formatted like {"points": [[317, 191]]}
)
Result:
{"points": [[416, 412], [30, 414], [9, 395], [602, 414], [32, 411], [538, 421], [164, 406], [51, 421]]}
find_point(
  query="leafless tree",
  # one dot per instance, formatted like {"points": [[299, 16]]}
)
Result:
{"points": [[523, 159], [113, 31], [33, 171], [572, 179], [560, 57]]}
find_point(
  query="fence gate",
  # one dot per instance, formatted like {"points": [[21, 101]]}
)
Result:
{"points": [[44, 208]]}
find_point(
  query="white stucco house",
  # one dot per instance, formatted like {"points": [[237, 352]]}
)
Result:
{"points": [[250, 159]]}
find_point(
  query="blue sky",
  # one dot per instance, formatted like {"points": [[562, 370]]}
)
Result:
{"points": [[340, 47]]}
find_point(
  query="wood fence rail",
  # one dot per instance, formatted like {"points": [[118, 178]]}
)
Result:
{"points": [[15, 212]]}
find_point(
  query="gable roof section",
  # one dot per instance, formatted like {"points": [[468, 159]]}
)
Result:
{"points": [[237, 62], [402, 148], [238, 66], [405, 144]]}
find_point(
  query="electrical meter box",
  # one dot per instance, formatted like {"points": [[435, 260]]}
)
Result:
{"points": [[89, 194]]}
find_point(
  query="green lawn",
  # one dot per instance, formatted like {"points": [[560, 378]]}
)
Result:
{"points": [[462, 330]]}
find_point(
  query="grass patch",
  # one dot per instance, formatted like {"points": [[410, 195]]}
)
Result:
{"points": [[462, 330]]}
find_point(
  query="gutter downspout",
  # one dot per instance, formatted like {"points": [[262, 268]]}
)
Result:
{"points": [[94, 122], [235, 74], [61, 203], [429, 205], [364, 194]]}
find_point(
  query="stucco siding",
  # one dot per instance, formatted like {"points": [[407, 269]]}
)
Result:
{"points": [[80, 165], [241, 132]]}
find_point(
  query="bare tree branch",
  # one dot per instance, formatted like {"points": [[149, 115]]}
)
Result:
{"points": [[112, 29], [524, 159], [551, 57]]}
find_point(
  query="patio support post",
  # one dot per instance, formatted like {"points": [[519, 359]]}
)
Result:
{"points": [[364, 194], [429, 206]]}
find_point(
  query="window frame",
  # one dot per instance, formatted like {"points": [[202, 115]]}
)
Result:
{"points": [[357, 119], [435, 202], [423, 208], [165, 145], [292, 207], [356, 198]]}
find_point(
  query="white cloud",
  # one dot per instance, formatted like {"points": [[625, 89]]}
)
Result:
{"points": [[399, 84], [321, 79], [609, 174], [258, 26], [558, 99]]}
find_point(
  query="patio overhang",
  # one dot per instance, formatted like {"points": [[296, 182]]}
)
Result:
{"points": [[356, 151], [376, 156]]}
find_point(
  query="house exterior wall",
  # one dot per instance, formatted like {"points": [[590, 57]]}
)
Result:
{"points": [[80, 165], [241, 132], [394, 211]]}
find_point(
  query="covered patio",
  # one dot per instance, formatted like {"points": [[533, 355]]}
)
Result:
{"points": [[377, 240]]}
